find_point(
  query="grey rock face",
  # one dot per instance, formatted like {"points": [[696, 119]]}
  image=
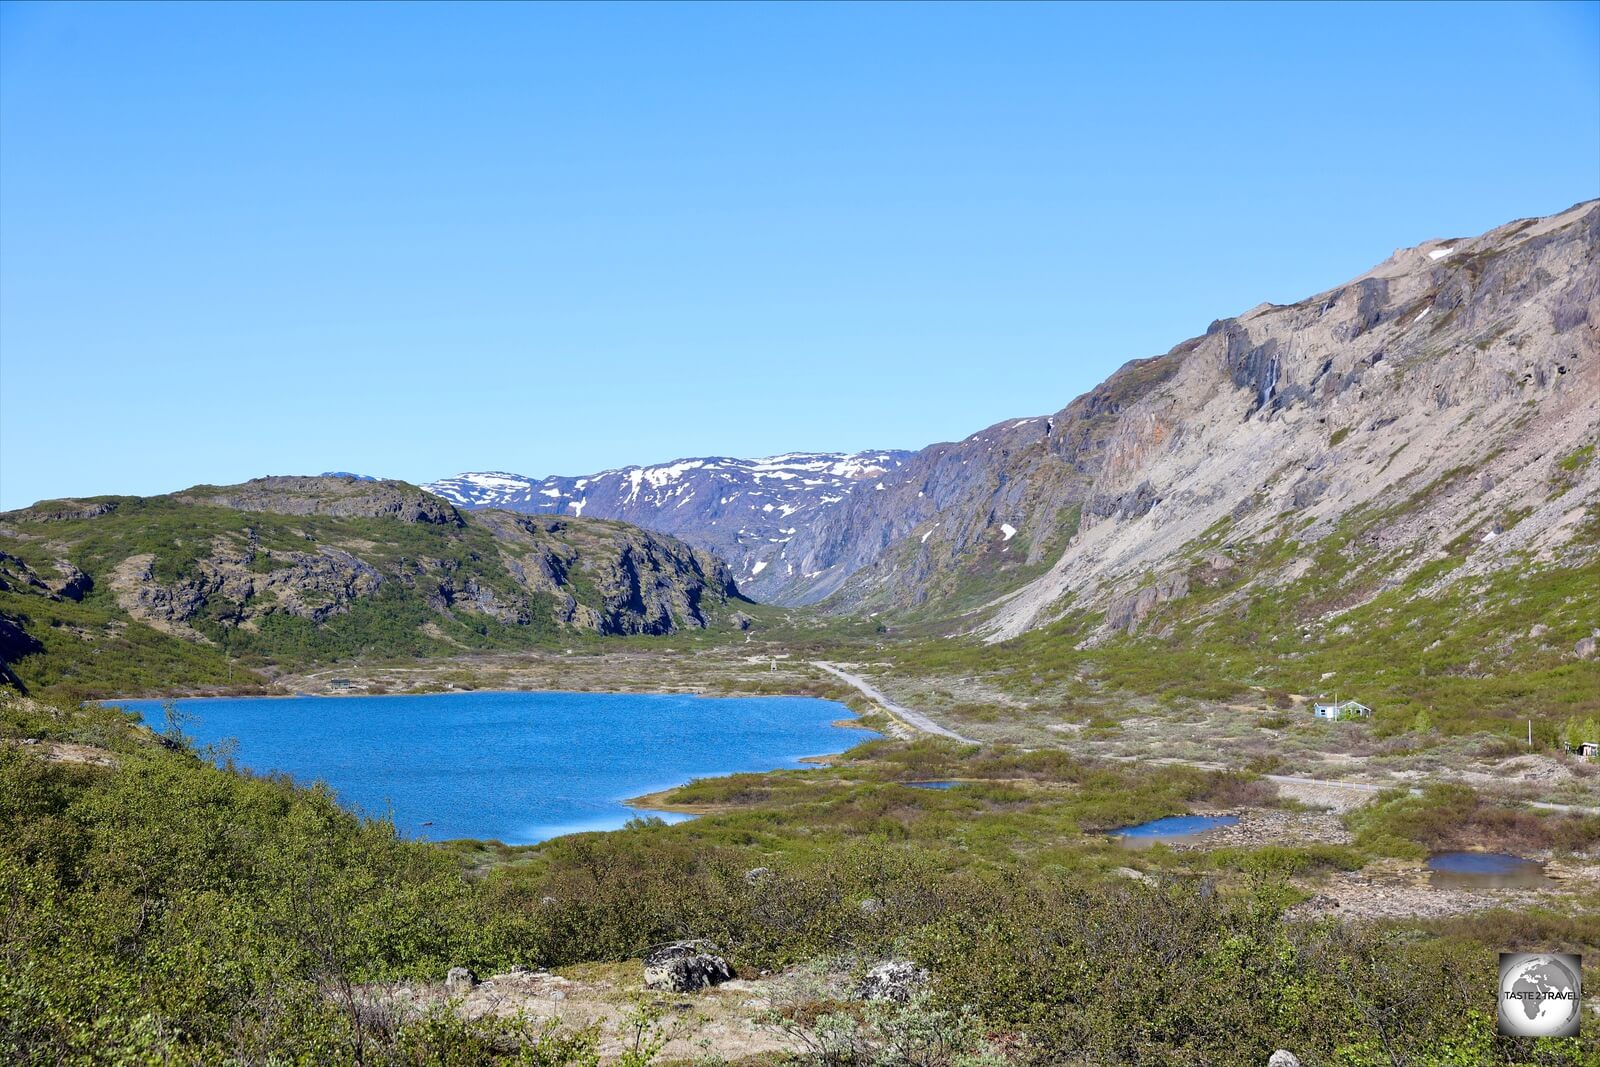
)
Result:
{"points": [[70, 583], [459, 981], [68, 510], [1126, 613], [896, 980], [685, 966]]}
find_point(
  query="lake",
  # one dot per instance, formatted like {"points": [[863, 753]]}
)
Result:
{"points": [[513, 767], [1171, 830], [1485, 870]]}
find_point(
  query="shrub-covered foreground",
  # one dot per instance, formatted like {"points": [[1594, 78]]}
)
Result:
{"points": [[163, 911]]}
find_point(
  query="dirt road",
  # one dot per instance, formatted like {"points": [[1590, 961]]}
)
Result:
{"points": [[914, 719]]}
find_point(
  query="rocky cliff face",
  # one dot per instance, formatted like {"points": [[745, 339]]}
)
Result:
{"points": [[1446, 402], [309, 566], [758, 514]]}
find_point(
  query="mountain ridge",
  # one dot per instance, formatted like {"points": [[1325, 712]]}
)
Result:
{"points": [[1445, 324], [746, 511]]}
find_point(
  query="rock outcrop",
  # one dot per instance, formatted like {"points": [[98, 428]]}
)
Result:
{"points": [[896, 980], [685, 966], [459, 981]]}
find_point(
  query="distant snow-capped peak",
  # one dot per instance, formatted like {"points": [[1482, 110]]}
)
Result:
{"points": [[789, 475], [748, 511]]}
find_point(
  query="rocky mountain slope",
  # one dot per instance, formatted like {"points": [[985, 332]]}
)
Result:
{"points": [[306, 569], [757, 514], [1474, 357], [1443, 407]]}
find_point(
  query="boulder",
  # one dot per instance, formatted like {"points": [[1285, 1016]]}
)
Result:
{"points": [[459, 981], [685, 966], [72, 584], [741, 620], [757, 875], [1283, 1058], [1585, 648], [895, 980]]}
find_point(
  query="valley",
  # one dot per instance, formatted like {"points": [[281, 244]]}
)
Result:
{"points": [[1061, 626]]}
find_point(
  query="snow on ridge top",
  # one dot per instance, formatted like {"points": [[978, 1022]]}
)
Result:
{"points": [[491, 480], [1440, 253], [659, 476]]}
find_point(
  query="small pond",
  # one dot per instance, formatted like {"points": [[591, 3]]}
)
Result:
{"points": [[1173, 828], [1485, 870], [931, 785]]}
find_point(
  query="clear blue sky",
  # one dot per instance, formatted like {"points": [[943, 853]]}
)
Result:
{"points": [[412, 240]]}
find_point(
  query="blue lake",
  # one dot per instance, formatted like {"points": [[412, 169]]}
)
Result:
{"points": [[512, 767], [1171, 828]]}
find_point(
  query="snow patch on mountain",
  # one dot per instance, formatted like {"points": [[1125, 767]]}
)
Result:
{"points": [[764, 499]]}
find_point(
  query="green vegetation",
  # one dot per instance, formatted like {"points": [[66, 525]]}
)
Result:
{"points": [[1576, 460], [234, 596], [1457, 659], [163, 910], [1447, 816]]}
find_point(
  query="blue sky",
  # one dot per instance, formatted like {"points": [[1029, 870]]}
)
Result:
{"points": [[412, 240]]}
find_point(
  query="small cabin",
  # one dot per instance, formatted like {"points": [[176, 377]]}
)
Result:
{"points": [[1589, 749], [1344, 709]]}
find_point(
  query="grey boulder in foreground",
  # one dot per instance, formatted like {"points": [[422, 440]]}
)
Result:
{"points": [[685, 966]]}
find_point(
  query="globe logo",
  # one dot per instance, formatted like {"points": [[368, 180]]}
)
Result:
{"points": [[1541, 994]]}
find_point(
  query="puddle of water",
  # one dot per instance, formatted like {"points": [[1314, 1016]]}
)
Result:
{"points": [[1174, 828], [1485, 870], [932, 785]]}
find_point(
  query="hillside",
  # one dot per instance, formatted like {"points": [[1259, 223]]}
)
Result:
{"points": [[1441, 411], [758, 514], [209, 586]]}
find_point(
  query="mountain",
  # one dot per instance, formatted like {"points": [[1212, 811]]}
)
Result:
{"points": [[1449, 393], [204, 586], [757, 514], [1435, 417]]}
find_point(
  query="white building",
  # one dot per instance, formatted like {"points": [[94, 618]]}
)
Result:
{"points": [[1345, 709]]}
